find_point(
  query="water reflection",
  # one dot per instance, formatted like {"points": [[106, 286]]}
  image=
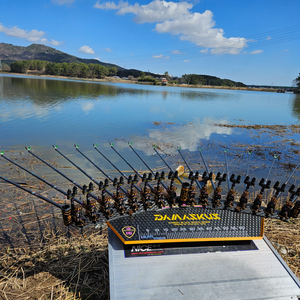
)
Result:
{"points": [[46, 91], [188, 137], [296, 106], [208, 95]]}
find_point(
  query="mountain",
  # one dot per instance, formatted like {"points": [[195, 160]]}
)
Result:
{"points": [[10, 53]]}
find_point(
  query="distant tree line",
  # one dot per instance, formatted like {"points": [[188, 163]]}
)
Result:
{"points": [[64, 69], [84, 70], [209, 80]]}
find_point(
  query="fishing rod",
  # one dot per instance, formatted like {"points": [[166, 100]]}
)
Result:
{"points": [[59, 172], [264, 184], [206, 168], [107, 176], [227, 172], [287, 181], [40, 178], [126, 177], [247, 169], [136, 172], [245, 196], [231, 191], [82, 171], [197, 181], [216, 199], [163, 184], [154, 148], [66, 208], [296, 209], [287, 207]]}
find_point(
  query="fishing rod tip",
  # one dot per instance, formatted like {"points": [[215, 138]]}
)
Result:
{"points": [[95, 145], [129, 143], [54, 146], [2, 152], [28, 148], [111, 144]]}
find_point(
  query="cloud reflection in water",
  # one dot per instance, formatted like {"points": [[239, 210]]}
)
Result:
{"points": [[168, 138]]}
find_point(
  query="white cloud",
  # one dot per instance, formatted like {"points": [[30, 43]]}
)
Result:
{"points": [[107, 50], [97, 58], [286, 50], [268, 38], [187, 60], [155, 11], [203, 51], [176, 52], [55, 43], [86, 49], [256, 51], [177, 19], [62, 2], [160, 56], [34, 35]]}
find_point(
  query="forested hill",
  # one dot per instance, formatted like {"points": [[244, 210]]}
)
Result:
{"points": [[10, 53], [41, 54]]}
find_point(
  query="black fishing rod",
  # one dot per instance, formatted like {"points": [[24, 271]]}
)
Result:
{"points": [[206, 168], [197, 181], [136, 172], [287, 181], [60, 173], [244, 197], [247, 181], [227, 172], [40, 178], [164, 185], [154, 148], [126, 177], [66, 209], [248, 164], [265, 184], [270, 209], [107, 176], [81, 170]]}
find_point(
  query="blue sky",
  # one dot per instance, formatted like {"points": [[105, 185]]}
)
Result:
{"points": [[255, 42]]}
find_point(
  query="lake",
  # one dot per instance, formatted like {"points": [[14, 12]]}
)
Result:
{"points": [[42, 112]]}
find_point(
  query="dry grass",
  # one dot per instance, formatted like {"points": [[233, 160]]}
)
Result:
{"points": [[285, 238], [75, 268]]}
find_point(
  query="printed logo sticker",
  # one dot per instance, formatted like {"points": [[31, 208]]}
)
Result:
{"points": [[128, 231]]}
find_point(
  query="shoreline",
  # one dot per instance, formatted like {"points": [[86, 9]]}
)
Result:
{"points": [[116, 80]]}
